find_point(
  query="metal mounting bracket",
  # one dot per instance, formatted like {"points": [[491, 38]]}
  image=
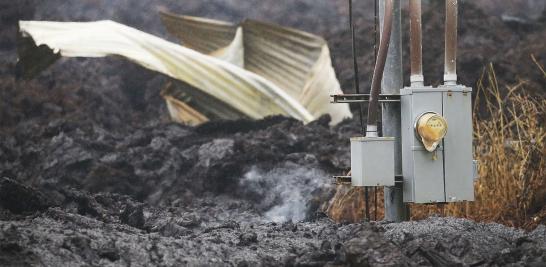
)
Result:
{"points": [[346, 179], [362, 98]]}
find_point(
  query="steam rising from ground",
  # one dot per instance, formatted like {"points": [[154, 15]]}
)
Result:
{"points": [[284, 193]]}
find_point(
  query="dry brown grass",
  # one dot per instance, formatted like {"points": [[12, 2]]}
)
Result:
{"points": [[509, 135]]}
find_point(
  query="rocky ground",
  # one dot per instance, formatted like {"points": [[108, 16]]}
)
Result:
{"points": [[92, 173]]}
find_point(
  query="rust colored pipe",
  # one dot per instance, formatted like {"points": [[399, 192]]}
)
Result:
{"points": [[373, 107], [450, 70], [416, 43]]}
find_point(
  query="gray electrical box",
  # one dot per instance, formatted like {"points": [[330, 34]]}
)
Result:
{"points": [[372, 161], [447, 174]]}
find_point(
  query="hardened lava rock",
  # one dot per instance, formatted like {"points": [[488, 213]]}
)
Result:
{"points": [[96, 175]]}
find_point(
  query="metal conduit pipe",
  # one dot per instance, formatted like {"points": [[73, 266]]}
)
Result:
{"points": [[373, 107], [450, 69], [416, 44]]}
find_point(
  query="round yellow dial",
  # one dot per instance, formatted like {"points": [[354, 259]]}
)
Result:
{"points": [[432, 128]]}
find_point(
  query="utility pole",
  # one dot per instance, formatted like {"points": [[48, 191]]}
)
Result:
{"points": [[393, 81]]}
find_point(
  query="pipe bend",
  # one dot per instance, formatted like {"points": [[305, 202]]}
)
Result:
{"points": [[379, 68]]}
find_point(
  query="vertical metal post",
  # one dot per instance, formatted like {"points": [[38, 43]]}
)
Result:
{"points": [[395, 209], [450, 73], [416, 44]]}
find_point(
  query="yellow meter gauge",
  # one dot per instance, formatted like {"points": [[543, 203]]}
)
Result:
{"points": [[432, 128]]}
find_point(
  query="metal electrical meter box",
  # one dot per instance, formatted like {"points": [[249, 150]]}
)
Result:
{"points": [[447, 173], [372, 161]]}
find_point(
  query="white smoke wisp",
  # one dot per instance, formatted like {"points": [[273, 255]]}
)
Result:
{"points": [[284, 192]]}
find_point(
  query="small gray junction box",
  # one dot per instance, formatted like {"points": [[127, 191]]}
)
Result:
{"points": [[445, 175], [372, 161]]}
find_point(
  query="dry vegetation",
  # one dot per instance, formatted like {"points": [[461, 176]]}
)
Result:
{"points": [[509, 134]]}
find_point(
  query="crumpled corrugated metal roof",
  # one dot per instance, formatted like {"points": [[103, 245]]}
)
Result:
{"points": [[250, 70]]}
